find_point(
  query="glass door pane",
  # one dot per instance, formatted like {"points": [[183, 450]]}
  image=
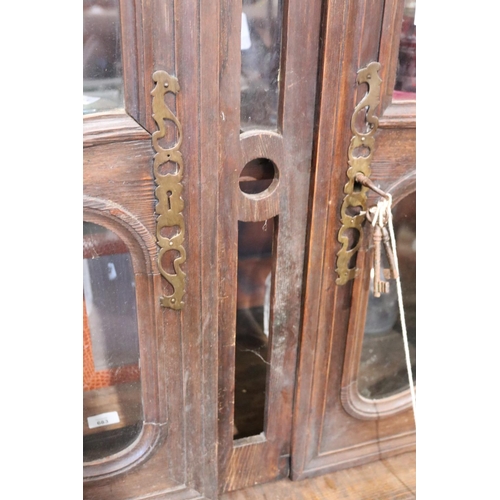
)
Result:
{"points": [[383, 369], [112, 400], [102, 59]]}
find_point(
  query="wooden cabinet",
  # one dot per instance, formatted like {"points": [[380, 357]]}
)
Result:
{"points": [[255, 376]]}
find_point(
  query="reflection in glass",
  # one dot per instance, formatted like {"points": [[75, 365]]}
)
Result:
{"points": [[406, 77], [260, 63], [112, 405], [255, 260], [382, 370], [102, 60]]}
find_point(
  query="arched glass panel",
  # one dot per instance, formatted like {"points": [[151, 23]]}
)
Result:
{"points": [[382, 370], [112, 401]]}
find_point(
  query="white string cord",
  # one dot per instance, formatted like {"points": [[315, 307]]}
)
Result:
{"points": [[384, 208]]}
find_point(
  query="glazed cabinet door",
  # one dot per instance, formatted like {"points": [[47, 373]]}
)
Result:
{"points": [[353, 401], [150, 328]]}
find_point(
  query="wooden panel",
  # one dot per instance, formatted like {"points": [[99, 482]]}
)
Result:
{"points": [[395, 156], [106, 127], [259, 459], [207, 183], [400, 114], [388, 479], [121, 172]]}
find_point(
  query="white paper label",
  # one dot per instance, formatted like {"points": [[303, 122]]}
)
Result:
{"points": [[246, 43], [103, 419]]}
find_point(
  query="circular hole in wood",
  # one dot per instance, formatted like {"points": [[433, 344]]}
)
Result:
{"points": [[257, 176]]}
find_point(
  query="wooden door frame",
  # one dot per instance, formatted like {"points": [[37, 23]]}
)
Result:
{"points": [[265, 457], [179, 347]]}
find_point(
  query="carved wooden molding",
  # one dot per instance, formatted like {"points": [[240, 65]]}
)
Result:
{"points": [[142, 251], [168, 193], [135, 234], [353, 456]]}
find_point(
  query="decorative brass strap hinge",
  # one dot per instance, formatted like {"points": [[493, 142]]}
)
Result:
{"points": [[170, 228], [361, 148]]}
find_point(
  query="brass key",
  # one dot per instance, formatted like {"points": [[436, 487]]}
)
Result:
{"points": [[379, 286], [390, 273]]}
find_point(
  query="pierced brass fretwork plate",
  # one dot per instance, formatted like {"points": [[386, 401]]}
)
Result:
{"points": [[170, 227], [361, 151]]}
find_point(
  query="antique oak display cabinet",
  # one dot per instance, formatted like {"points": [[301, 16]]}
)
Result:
{"points": [[232, 331]]}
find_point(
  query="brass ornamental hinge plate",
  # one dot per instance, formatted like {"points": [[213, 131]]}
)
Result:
{"points": [[170, 229], [361, 148]]}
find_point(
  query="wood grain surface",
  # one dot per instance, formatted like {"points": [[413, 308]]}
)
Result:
{"points": [[388, 479], [186, 448]]}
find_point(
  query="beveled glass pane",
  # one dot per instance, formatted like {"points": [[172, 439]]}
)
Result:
{"points": [[382, 370], [406, 76], [102, 60], [255, 262], [261, 26], [112, 401]]}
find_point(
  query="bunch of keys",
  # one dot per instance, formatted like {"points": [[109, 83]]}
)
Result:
{"points": [[379, 217]]}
